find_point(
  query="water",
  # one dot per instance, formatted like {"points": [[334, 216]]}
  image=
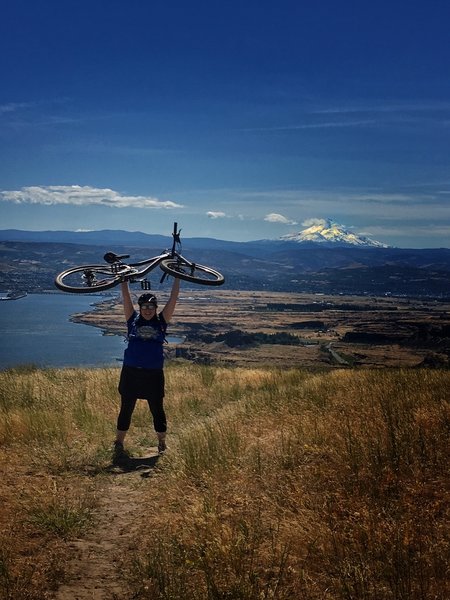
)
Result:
{"points": [[37, 330]]}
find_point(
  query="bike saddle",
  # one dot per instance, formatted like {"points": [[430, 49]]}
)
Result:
{"points": [[111, 257]]}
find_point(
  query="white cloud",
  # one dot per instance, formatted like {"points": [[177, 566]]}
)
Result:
{"points": [[322, 125], [277, 218], [399, 107], [14, 106], [77, 195], [311, 222], [215, 214]]}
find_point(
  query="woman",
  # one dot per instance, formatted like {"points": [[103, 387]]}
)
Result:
{"points": [[142, 374]]}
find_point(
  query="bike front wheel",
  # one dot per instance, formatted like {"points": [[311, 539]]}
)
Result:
{"points": [[89, 278], [192, 272]]}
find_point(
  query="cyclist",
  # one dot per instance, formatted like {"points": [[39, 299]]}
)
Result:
{"points": [[142, 374]]}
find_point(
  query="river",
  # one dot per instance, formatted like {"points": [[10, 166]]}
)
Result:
{"points": [[37, 330]]}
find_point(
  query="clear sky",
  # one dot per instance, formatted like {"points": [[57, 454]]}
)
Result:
{"points": [[241, 120]]}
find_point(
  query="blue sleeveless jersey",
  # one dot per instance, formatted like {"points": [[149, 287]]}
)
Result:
{"points": [[145, 342]]}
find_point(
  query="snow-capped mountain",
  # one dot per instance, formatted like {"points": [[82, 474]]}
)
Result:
{"points": [[328, 232]]}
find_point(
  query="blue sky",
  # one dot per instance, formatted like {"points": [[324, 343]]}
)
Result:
{"points": [[240, 120]]}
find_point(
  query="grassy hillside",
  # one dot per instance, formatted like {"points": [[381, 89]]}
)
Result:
{"points": [[278, 484]]}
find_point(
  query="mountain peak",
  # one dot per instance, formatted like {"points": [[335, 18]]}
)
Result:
{"points": [[326, 231]]}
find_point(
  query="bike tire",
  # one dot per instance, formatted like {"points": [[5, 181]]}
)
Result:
{"points": [[192, 272], [71, 280]]}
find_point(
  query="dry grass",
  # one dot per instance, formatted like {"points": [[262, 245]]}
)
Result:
{"points": [[55, 429], [303, 486], [279, 484]]}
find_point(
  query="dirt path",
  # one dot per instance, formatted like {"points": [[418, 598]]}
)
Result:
{"points": [[93, 568]]}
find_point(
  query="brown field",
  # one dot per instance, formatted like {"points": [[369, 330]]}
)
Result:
{"points": [[390, 332], [278, 484]]}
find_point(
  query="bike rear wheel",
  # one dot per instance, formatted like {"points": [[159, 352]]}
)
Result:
{"points": [[88, 279], [192, 272]]}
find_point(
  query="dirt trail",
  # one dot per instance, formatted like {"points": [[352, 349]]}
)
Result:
{"points": [[93, 568]]}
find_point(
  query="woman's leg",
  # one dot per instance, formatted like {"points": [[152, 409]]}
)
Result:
{"points": [[159, 421], [124, 418], [159, 416]]}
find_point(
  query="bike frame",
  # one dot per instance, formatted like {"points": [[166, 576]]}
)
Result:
{"points": [[134, 270]]}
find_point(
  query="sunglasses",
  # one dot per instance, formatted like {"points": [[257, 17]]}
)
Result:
{"points": [[148, 306]]}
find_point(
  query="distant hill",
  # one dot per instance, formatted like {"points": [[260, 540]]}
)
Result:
{"points": [[30, 260], [102, 237]]}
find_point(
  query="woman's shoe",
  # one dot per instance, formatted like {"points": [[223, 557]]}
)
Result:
{"points": [[119, 453], [161, 442]]}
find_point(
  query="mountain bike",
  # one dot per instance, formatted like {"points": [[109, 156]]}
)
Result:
{"points": [[95, 278]]}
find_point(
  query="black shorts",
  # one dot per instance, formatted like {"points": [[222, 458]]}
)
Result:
{"points": [[147, 384]]}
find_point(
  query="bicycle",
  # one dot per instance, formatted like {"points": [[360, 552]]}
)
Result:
{"points": [[94, 278]]}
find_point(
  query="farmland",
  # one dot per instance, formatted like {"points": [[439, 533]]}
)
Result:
{"points": [[302, 330]]}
